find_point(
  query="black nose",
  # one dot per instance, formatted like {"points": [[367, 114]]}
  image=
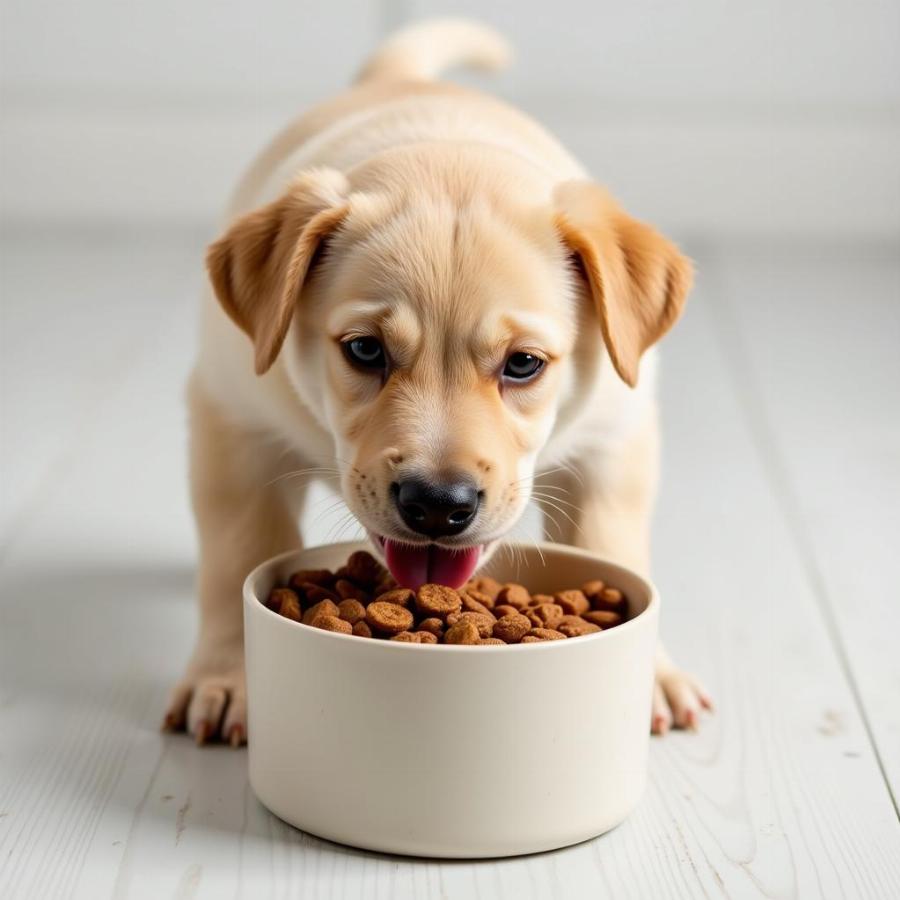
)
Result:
{"points": [[436, 509]]}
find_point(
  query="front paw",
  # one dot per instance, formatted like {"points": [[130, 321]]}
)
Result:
{"points": [[678, 698], [210, 702]]}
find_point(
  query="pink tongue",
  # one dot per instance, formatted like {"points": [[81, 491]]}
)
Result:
{"points": [[414, 566]]}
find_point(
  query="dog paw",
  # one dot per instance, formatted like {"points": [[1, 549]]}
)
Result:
{"points": [[678, 699], [210, 702]]}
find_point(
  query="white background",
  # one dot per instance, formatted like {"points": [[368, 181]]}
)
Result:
{"points": [[706, 116]]}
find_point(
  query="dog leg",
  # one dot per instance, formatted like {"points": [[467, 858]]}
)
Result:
{"points": [[604, 503], [242, 518]]}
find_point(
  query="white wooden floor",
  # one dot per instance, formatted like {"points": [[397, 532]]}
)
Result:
{"points": [[777, 553]]}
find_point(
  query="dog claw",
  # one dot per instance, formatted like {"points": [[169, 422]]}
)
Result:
{"points": [[236, 735], [169, 723], [203, 732]]}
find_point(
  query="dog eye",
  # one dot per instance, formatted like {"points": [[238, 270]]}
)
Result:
{"points": [[365, 352], [522, 366]]}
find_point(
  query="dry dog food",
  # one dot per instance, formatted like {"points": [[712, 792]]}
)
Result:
{"points": [[362, 599]]}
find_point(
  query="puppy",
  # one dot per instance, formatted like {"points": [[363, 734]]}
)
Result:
{"points": [[421, 294]]}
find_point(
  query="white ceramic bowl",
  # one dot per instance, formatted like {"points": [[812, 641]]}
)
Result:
{"points": [[450, 751]]}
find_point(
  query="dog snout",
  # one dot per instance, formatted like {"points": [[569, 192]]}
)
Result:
{"points": [[437, 508]]}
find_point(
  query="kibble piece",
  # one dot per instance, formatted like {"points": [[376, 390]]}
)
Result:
{"points": [[494, 641], [390, 618], [609, 600], [511, 629], [346, 590], [590, 588], [541, 599], [577, 629], [546, 615], [573, 602], [321, 577], [433, 625], [290, 606], [603, 617], [546, 634], [463, 632], [406, 637], [384, 584], [351, 611], [322, 608], [400, 596], [363, 568], [312, 593], [361, 629], [437, 600], [277, 596], [504, 609], [332, 623], [514, 595], [484, 623], [426, 637], [475, 601], [484, 584]]}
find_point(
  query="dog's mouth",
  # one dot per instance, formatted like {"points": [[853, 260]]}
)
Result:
{"points": [[413, 565]]}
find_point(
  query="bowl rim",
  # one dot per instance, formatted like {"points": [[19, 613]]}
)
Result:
{"points": [[250, 599]]}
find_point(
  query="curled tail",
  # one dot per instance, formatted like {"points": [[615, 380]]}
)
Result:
{"points": [[421, 52]]}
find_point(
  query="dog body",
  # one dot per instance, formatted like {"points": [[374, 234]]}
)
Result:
{"points": [[440, 308]]}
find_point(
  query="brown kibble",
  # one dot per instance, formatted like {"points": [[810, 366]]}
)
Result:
{"points": [[514, 595], [385, 584], [351, 611], [312, 593], [504, 609], [322, 608], [475, 601], [290, 606], [463, 632], [437, 600], [484, 584], [603, 617], [547, 614], [484, 623], [573, 602], [346, 590], [432, 625], [363, 599], [406, 637], [609, 600], [390, 618], [426, 637], [332, 623], [512, 628], [546, 634], [320, 577], [277, 596], [577, 628], [363, 568], [400, 596]]}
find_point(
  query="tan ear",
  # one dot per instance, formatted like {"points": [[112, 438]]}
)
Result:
{"points": [[258, 266], [639, 280]]}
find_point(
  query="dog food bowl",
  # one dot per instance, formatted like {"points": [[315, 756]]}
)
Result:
{"points": [[451, 751]]}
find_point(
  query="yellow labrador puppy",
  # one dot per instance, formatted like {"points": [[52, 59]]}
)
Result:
{"points": [[421, 289]]}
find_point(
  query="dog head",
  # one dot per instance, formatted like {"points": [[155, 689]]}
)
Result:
{"points": [[436, 319]]}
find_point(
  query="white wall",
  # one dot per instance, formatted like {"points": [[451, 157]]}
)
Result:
{"points": [[708, 116]]}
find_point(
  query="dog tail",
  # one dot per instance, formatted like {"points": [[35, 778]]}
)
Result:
{"points": [[421, 52]]}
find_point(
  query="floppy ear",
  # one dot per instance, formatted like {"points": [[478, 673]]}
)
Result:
{"points": [[258, 266], [639, 280]]}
